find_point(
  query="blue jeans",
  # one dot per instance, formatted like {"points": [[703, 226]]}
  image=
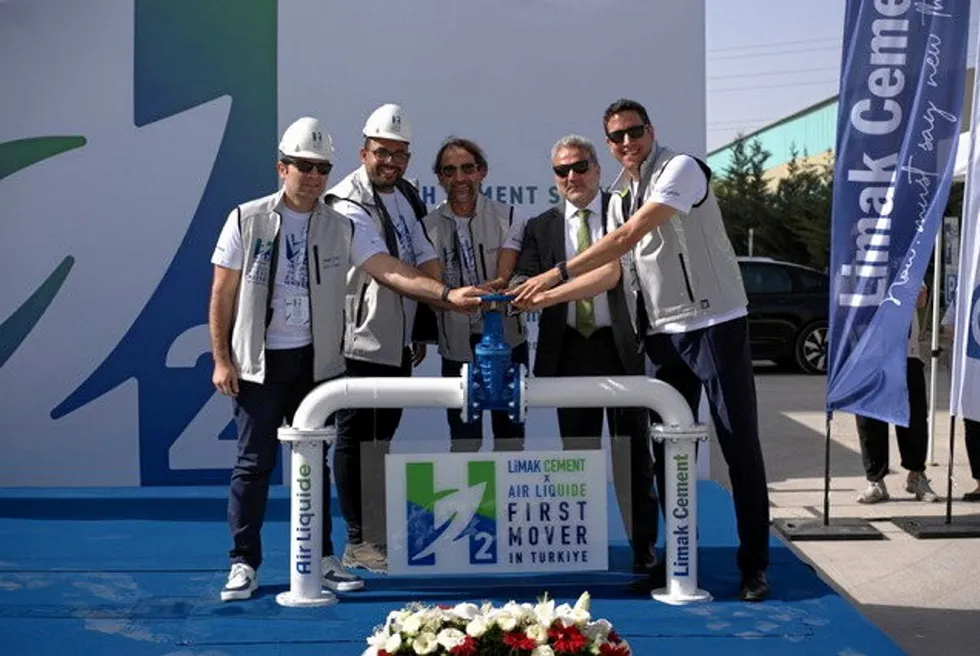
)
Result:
{"points": [[259, 412]]}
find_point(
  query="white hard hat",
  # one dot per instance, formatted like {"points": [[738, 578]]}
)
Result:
{"points": [[388, 122], [307, 138]]}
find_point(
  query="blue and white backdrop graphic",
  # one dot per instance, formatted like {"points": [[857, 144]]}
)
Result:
{"points": [[901, 95], [132, 127]]}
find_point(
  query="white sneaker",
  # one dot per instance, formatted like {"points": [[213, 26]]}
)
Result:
{"points": [[876, 492], [337, 578], [242, 582], [919, 486]]}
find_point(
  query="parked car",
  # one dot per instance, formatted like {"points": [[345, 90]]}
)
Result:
{"points": [[787, 313]]}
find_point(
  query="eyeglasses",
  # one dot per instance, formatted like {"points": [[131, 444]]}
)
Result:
{"points": [[305, 166], [580, 167], [634, 132], [449, 170], [385, 155]]}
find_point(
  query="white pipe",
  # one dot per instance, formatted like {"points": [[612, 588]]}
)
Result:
{"points": [[679, 436], [934, 354], [341, 393], [681, 523], [611, 392]]}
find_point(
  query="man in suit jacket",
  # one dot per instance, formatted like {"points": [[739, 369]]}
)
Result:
{"points": [[592, 338]]}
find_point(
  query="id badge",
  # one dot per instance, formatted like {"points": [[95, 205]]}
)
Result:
{"points": [[297, 310]]}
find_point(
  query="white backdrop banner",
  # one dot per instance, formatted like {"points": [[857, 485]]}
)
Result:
{"points": [[136, 126]]}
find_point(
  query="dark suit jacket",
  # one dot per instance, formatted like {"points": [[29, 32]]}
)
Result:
{"points": [[543, 248]]}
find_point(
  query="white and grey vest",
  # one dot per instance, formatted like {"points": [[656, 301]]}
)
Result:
{"points": [[686, 268], [488, 231], [328, 247]]}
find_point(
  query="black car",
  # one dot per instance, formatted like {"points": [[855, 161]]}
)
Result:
{"points": [[787, 313]]}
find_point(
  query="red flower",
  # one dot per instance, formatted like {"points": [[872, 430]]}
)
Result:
{"points": [[519, 640], [468, 648], [566, 639], [382, 652], [614, 638], [614, 650]]}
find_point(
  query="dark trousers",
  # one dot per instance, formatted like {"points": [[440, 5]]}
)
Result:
{"points": [[629, 430], [259, 412], [468, 437], [718, 359], [355, 427], [972, 438], [912, 441]]}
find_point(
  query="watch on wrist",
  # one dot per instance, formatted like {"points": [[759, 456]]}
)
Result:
{"points": [[563, 271], [445, 293]]}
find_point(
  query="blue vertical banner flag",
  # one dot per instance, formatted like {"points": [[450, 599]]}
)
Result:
{"points": [[901, 97]]}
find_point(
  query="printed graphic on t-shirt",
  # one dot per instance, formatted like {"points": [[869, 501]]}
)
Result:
{"points": [[296, 272], [258, 272], [406, 250]]}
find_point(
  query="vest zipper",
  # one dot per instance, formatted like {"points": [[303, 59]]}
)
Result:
{"points": [[687, 281]]}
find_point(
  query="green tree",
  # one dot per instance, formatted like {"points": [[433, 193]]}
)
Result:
{"points": [[743, 193], [803, 200]]}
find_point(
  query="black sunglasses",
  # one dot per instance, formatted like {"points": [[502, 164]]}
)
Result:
{"points": [[635, 132], [580, 167], [305, 166], [449, 170]]}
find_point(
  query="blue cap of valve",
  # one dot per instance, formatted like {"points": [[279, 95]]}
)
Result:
{"points": [[493, 381]]}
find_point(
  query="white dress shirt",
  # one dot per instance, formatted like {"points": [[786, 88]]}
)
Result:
{"points": [[600, 304]]}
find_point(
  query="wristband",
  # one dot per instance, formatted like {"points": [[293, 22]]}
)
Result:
{"points": [[563, 271], [445, 293]]}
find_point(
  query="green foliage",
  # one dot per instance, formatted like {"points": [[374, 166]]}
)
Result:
{"points": [[790, 220]]}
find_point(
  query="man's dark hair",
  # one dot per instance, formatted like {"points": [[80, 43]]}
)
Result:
{"points": [[464, 144], [624, 105]]}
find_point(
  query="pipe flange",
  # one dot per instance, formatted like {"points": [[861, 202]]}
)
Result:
{"points": [[464, 382], [674, 433], [327, 434], [520, 393]]}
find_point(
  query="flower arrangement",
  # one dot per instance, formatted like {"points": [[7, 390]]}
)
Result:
{"points": [[543, 629]]}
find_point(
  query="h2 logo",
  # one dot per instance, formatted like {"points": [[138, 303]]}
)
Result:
{"points": [[439, 519]]}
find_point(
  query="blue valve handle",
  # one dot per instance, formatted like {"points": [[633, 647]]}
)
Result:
{"points": [[492, 380]]}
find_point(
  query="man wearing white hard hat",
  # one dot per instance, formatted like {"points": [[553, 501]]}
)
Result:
{"points": [[276, 320], [379, 322]]}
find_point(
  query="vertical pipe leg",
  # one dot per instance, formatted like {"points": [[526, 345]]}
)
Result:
{"points": [[681, 524], [305, 527]]}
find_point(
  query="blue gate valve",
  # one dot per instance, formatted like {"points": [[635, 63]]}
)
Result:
{"points": [[493, 381]]}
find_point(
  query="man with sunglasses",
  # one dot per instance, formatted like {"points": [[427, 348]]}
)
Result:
{"points": [[477, 241], [593, 337], [380, 322], [276, 321], [690, 307]]}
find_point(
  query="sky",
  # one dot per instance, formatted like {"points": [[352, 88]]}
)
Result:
{"points": [[767, 59]]}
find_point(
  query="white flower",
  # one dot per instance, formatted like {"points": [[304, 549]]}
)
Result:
{"points": [[583, 603], [412, 624], [545, 612], [393, 643], [476, 627], [397, 616], [378, 639], [506, 622], [537, 633], [466, 611], [543, 650], [450, 638], [425, 643], [598, 629]]}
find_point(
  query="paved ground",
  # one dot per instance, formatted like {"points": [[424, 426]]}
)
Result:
{"points": [[924, 593]]}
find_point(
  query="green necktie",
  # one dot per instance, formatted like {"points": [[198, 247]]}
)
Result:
{"points": [[584, 311]]}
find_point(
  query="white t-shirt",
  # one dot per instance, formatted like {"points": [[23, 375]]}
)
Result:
{"points": [[681, 185], [290, 302], [515, 236], [414, 247], [600, 303]]}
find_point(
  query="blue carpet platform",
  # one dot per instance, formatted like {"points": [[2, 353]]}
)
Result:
{"points": [[137, 572]]}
